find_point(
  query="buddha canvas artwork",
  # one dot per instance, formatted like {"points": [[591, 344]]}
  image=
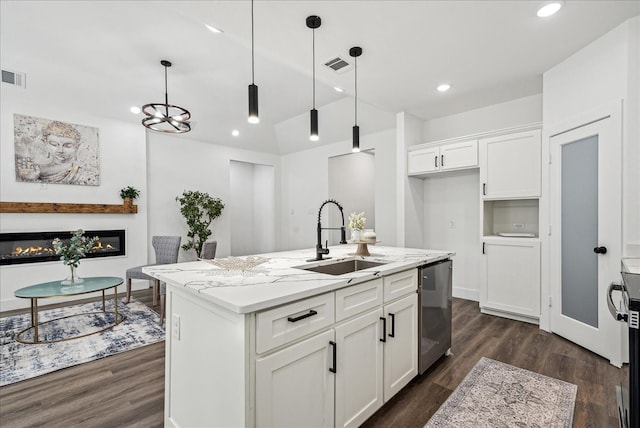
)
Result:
{"points": [[51, 151]]}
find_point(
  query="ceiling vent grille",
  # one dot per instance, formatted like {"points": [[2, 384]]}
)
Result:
{"points": [[13, 78], [338, 65]]}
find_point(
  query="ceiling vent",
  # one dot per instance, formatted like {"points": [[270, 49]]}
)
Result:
{"points": [[338, 64], [13, 78]]}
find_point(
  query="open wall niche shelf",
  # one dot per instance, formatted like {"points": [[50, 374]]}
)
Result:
{"points": [[64, 208]]}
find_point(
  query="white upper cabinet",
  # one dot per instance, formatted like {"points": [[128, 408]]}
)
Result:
{"points": [[443, 157], [510, 166]]}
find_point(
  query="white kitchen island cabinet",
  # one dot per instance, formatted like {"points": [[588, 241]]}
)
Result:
{"points": [[281, 346]]}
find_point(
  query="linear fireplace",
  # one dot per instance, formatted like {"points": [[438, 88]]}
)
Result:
{"points": [[35, 247]]}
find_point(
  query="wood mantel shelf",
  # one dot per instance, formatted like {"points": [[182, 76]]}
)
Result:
{"points": [[62, 208]]}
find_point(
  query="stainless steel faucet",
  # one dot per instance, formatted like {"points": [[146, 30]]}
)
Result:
{"points": [[319, 250]]}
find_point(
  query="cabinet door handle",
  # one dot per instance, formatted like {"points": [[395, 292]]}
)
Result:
{"points": [[484, 188], [384, 329], [335, 351], [436, 160], [393, 325], [483, 248], [301, 317], [600, 250], [441, 160]]}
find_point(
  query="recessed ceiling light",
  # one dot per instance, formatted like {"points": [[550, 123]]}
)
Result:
{"points": [[213, 29], [444, 87], [549, 8], [338, 89], [135, 110], [235, 132]]}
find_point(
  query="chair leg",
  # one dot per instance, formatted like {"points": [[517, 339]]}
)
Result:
{"points": [[128, 289], [156, 291], [162, 307]]}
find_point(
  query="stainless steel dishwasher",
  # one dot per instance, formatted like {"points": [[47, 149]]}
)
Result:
{"points": [[434, 316]]}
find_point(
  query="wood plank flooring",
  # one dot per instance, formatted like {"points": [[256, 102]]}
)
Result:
{"points": [[127, 390]]}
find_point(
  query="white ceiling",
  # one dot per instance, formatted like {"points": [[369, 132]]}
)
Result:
{"points": [[104, 56]]}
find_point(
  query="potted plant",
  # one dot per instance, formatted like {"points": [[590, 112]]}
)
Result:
{"points": [[128, 194], [72, 251], [199, 209], [356, 224]]}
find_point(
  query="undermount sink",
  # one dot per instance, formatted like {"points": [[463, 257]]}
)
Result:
{"points": [[340, 268]]}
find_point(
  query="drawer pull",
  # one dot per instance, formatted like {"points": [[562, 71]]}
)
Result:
{"points": [[301, 317]]}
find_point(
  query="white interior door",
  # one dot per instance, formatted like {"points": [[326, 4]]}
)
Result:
{"points": [[586, 217]]}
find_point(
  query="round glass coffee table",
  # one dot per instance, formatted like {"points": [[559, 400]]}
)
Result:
{"points": [[57, 289]]}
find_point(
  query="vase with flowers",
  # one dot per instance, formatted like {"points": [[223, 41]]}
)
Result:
{"points": [[72, 251], [356, 224]]}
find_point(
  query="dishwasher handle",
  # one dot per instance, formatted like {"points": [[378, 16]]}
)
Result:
{"points": [[619, 315]]}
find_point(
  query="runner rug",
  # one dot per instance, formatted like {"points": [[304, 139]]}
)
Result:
{"points": [[19, 361], [495, 394]]}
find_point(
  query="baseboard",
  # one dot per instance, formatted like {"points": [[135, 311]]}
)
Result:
{"points": [[466, 293], [510, 315]]}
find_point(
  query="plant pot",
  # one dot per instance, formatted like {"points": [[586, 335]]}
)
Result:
{"points": [[73, 278]]}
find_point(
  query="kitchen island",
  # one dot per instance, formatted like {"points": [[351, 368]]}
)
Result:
{"points": [[280, 345]]}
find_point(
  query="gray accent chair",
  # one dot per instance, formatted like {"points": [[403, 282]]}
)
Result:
{"points": [[208, 252], [166, 249]]}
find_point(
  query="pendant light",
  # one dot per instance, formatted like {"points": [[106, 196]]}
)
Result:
{"points": [[314, 22], [355, 52], [253, 88], [166, 117]]}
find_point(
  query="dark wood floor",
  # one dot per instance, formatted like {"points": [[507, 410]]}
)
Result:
{"points": [[127, 389]]}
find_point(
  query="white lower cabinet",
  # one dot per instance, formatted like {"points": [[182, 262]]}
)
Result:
{"points": [[341, 376], [401, 346], [294, 387], [510, 277], [359, 369]]}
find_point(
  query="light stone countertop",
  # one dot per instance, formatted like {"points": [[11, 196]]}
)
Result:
{"points": [[278, 281]]}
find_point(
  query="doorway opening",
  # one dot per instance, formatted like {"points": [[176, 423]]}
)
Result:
{"points": [[252, 208]]}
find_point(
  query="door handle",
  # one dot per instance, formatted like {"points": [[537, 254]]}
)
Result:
{"points": [[441, 160], [335, 351], [436, 158], [393, 325], [600, 250], [384, 329]]}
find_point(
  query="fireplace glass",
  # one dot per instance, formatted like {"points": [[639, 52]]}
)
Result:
{"points": [[35, 247]]}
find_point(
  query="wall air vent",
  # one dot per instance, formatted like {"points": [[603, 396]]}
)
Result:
{"points": [[338, 64], [14, 78]]}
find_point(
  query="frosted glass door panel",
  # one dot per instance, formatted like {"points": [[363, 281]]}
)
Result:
{"points": [[579, 190]]}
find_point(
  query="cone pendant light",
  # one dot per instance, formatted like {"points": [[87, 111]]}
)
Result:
{"points": [[314, 22], [355, 52]]}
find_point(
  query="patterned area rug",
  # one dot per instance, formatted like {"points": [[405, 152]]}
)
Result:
{"points": [[495, 394], [20, 361]]}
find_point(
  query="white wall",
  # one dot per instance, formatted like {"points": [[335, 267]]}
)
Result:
{"points": [[452, 222], [305, 185], [176, 164], [409, 197], [498, 116], [351, 182], [116, 171], [603, 72]]}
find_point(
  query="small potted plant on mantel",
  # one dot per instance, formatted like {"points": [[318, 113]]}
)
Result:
{"points": [[128, 194]]}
